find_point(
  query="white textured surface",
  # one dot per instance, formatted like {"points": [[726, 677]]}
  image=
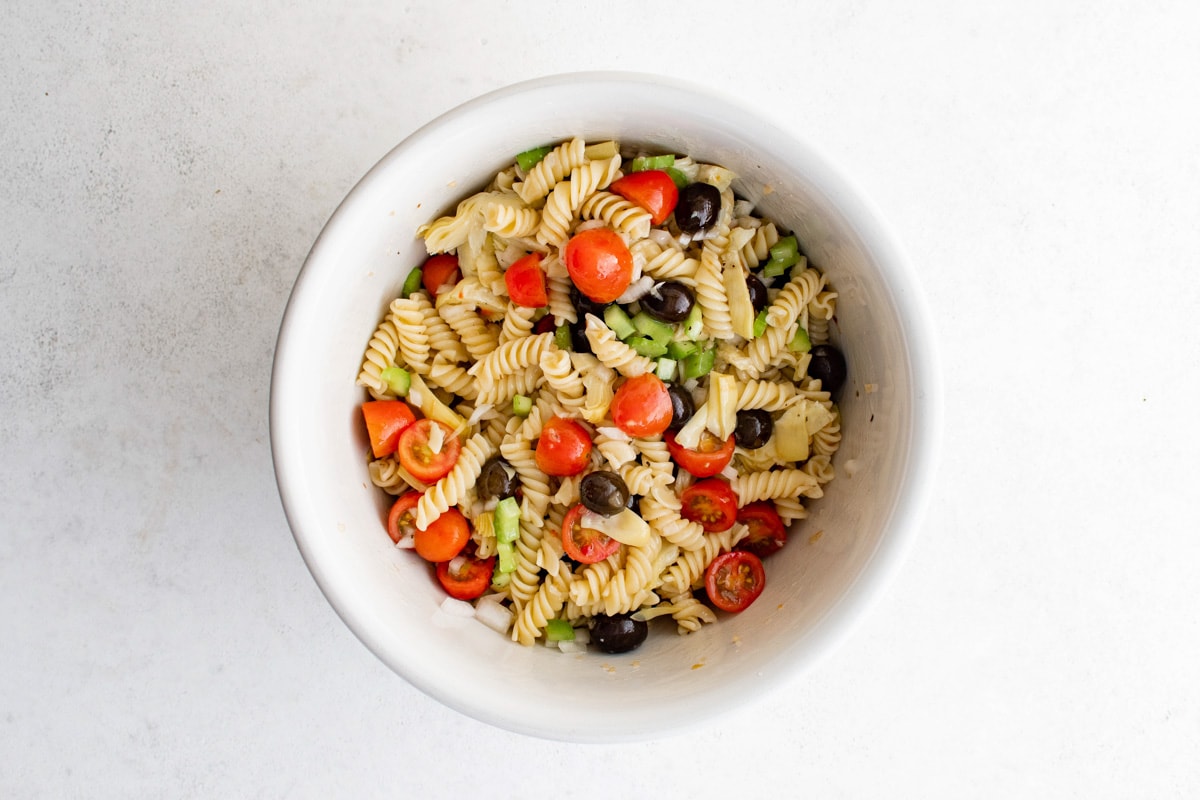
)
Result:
{"points": [[164, 173]]}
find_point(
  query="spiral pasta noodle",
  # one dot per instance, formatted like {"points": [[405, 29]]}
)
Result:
{"points": [[613, 353], [449, 490]]}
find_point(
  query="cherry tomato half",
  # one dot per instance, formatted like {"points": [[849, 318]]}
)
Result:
{"points": [[526, 283], [564, 447], [599, 263], [402, 522], [734, 580], [445, 537], [709, 458], [712, 503], [768, 534], [585, 545], [642, 405], [385, 420], [438, 271], [471, 580], [418, 457], [652, 189]]}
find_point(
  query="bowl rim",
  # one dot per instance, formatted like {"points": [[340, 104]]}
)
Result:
{"points": [[926, 417]]}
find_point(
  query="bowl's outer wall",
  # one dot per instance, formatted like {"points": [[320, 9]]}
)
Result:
{"points": [[839, 558]]}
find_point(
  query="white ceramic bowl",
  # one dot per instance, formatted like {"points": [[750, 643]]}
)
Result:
{"points": [[817, 587]]}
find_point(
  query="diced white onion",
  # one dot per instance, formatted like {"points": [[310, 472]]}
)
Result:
{"points": [[414, 397], [454, 607], [616, 434], [456, 565], [729, 472], [583, 635], [407, 542], [637, 289], [494, 615], [572, 647], [478, 413], [437, 438]]}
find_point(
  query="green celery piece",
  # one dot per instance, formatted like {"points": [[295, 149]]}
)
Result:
{"points": [[677, 176], [656, 330], [760, 323], [645, 346], [397, 379], [562, 337], [500, 579], [522, 405], [529, 159], [643, 163], [666, 369], [616, 318], [800, 343], [680, 350], [412, 283], [559, 630], [700, 364], [693, 323], [507, 520], [506, 557], [774, 269], [786, 250]]}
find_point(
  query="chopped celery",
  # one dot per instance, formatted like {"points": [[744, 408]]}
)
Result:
{"points": [[506, 557], [760, 323], [648, 326], [529, 159], [500, 579], [618, 320], [412, 283], [677, 176], [645, 346], [522, 405], [786, 250], [562, 337], [559, 630], [800, 343], [643, 163], [699, 364], [680, 350], [397, 379], [693, 323], [507, 519], [666, 369], [773, 269]]}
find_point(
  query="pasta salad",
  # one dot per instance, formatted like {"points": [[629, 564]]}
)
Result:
{"points": [[604, 397]]}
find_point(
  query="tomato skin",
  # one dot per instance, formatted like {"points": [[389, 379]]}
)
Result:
{"points": [[402, 522], [545, 324], [439, 271], [642, 406], [472, 580], [585, 545], [416, 456], [564, 447], [651, 189], [712, 503], [385, 420], [599, 263], [526, 283], [734, 580], [768, 534], [712, 456], [445, 537]]}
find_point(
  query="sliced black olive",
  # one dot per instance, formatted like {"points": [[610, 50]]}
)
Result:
{"points": [[579, 340], [585, 305], [754, 428], [829, 366], [670, 301], [758, 293], [603, 492], [682, 406], [699, 204], [619, 633], [495, 481]]}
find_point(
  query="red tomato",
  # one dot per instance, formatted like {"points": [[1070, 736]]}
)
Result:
{"points": [[642, 406], [418, 457], [585, 545], [712, 503], [471, 580], [445, 537], [385, 420], [402, 522], [599, 263], [734, 580], [545, 325], [526, 283], [768, 534], [709, 458], [439, 271], [563, 448], [652, 189]]}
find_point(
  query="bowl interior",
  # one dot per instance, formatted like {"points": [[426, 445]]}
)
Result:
{"points": [[816, 586]]}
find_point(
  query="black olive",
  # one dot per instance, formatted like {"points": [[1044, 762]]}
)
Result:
{"points": [[635, 502], [758, 293], [618, 634], [828, 365], [699, 204], [585, 305], [754, 428], [603, 492], [682, 406], [579, 340], [494, 480], [670, 301]]}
